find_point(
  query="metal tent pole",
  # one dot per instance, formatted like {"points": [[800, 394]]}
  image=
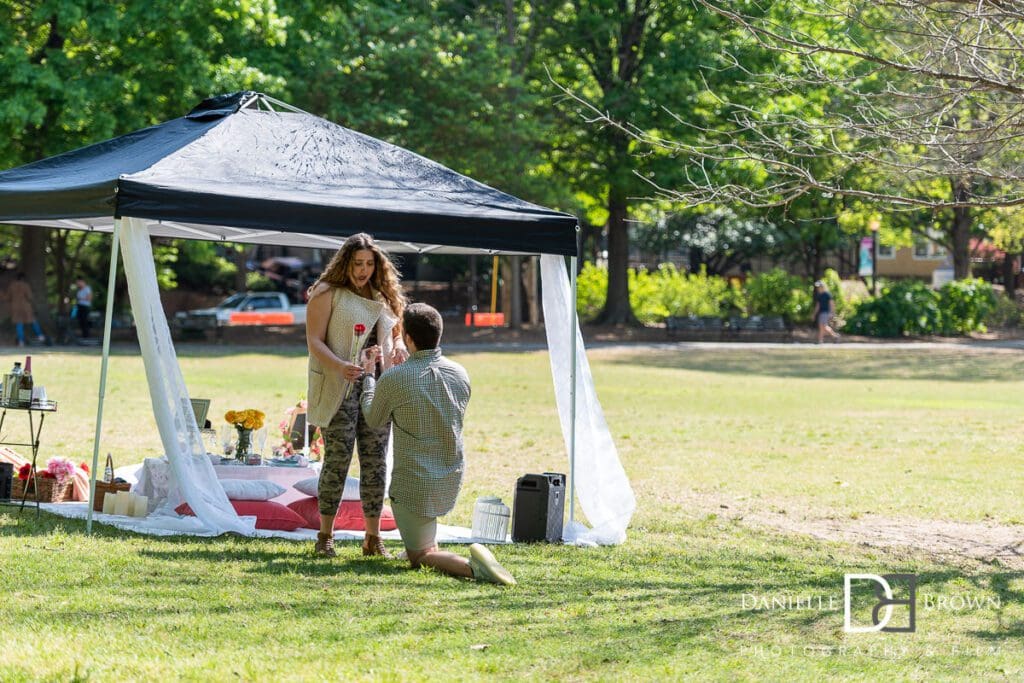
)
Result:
{"points": [[111, 280], [572, 393]]}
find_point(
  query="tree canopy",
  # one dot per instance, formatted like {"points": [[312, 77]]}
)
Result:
{"points": [[792, 126]]}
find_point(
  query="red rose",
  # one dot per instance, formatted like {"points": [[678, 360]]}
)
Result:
{"points": [[359, 329], [24, 471], [46, 474]]}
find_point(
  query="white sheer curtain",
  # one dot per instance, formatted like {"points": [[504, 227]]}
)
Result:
{"points": [[601, 484], [191, 471]]}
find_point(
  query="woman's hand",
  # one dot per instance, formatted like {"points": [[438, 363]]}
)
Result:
{"points": [[350, 371]]}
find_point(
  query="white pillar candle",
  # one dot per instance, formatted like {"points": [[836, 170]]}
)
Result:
{"points": [[123, 503], [108, 503], [140, 506]]}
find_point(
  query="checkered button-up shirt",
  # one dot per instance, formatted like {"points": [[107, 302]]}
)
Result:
{"points": [[426, 399]]}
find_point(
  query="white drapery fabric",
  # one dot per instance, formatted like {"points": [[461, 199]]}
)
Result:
{"points": [[193, 477], [600, 482]]}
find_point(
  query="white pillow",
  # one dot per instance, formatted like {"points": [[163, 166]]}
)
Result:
{"points": [[309, 487], [251, 489]]}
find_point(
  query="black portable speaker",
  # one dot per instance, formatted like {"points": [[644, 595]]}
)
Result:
{"points": [[6, 480], [538, 508]]}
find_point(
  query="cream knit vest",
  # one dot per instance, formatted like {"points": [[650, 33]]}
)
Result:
{"points": [[327, 388]]}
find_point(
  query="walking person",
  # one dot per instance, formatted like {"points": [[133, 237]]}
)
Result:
{"points": [[83, 306], [19, 295], [357, 302], [426, 399], [824, 309]]}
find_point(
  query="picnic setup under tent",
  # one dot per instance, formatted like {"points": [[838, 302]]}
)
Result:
{"points": [[245, 167]]}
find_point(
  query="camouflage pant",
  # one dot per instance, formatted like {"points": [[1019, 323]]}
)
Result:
{"points": [[348, 427]]}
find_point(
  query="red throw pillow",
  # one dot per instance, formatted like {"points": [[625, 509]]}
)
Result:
{"points": [[349, 517], [269, 515]]}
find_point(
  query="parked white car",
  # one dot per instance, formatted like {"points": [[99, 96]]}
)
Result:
{"points": [[245, 308]]}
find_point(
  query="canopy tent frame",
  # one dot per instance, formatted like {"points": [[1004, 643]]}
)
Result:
{"points": [[101, 395], [246, 168]]}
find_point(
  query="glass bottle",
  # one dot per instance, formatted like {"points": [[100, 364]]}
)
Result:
{"points": [[12, 385], [25, 389]]}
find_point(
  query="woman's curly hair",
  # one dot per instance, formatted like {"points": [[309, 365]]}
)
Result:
{"points": [[385, 277]]}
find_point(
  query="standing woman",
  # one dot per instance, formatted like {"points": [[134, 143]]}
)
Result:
{"points": [[19, 294], [356, 303], [823, 311]]}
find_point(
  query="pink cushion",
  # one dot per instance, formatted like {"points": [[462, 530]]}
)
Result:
{"points": [[349, 517], [269, 515]]}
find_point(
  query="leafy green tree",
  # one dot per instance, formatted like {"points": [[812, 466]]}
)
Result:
{"points": [[624, 59], [722, 238], [915, 105], [77, 72], [437, 78]]}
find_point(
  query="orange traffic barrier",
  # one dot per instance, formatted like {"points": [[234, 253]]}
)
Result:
{"points": [[485, 320], [257, 318]]}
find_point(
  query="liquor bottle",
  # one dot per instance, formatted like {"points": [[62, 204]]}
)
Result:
{"points": [[25, 390]]}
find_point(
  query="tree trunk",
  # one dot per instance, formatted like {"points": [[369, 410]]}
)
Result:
{"points": [[591, 247], [1010, 275], [961, 232], [515, 288], [33, 263], [532, 295], [617, 310], [240, 269]]}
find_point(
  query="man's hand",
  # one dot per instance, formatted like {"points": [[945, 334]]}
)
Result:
{"points": [[369, 358], [399, 355]]}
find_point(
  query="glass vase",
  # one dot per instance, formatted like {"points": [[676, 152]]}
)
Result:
{"points": [[244, 443]]}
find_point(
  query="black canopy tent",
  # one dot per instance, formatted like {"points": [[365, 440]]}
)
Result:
{"points": [[245, 167], [237, 169]]}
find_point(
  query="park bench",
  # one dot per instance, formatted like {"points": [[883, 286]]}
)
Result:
{"points": [[712, 328], [693, 327], [759, 328]]}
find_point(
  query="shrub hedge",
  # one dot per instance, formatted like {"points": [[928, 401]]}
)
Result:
{"points": [[906, 307]]}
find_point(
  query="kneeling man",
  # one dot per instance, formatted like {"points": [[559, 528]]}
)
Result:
{"points": [[426, 399]]}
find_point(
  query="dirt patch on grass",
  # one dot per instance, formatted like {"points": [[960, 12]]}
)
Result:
{"points": [[946, 541]]}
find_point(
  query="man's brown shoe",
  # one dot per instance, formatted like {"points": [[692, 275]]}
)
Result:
{"points": [[374, 547], [325, 545]]}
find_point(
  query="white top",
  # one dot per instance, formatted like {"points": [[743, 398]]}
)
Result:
{"points": [[84, 296]]}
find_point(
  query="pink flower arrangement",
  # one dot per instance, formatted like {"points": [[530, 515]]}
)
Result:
{"points": [[60, 469], [285, 448]]}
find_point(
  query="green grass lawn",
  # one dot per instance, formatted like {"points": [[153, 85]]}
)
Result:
{"points": [[928, 434]]}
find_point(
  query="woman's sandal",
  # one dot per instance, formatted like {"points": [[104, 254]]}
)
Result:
{"points": [[374, 547], [324, 545]]}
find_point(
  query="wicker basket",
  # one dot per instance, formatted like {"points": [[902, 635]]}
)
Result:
{"points": [[49, 490], [105, 487]]}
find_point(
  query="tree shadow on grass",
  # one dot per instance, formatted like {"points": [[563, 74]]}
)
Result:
{"points": [[300, 562], [856, 364], [1001, 584]]}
